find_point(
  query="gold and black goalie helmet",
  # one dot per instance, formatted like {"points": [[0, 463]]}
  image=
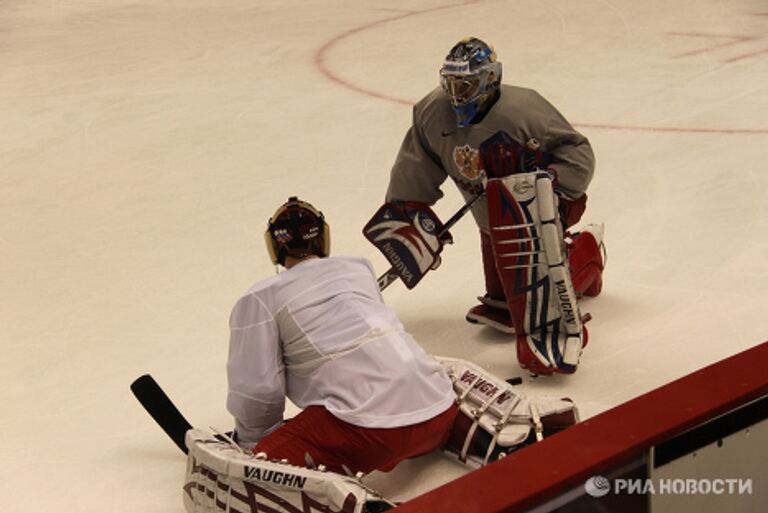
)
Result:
{"points": [[297, 229]]}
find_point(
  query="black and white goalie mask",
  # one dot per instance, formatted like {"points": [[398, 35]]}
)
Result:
{"points": [[297, 229]]}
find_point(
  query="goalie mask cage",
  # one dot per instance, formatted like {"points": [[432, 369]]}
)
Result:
{"points": [[699, 443]]}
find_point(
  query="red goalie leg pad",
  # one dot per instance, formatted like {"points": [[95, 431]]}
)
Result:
{"points": [[534, 282], [512, 245], [493, 287], [572, 210], [586, 264], [584, 257], [493, 310], [530, 362]]}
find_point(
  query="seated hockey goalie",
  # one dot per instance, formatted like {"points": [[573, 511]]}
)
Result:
{"points": [[534, 270], [320, 334], [494, 419]]}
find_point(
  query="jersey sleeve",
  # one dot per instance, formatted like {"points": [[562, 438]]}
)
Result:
{"points": [[418, 172], [255, 371], [572, 157]]}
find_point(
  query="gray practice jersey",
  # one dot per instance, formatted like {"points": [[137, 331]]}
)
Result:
{"points": [[435, 147]]}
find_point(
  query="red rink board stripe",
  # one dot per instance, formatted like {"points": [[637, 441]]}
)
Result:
{"points": [[566, 460]]}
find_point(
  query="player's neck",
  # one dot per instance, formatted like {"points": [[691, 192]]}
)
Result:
{"points": [[292, 262]]}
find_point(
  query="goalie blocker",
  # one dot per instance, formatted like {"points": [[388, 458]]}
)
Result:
{"points": [[410, 236]]}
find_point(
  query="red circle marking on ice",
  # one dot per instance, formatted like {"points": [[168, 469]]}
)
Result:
{"points": [[321, 59]]}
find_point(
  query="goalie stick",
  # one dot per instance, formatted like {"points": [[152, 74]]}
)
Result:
{"points": [[386, 279], [161, 408]]}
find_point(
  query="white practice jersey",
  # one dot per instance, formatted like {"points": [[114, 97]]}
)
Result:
{"points": [[320, 334]]}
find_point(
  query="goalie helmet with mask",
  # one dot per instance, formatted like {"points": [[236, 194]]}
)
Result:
{"points": [[471, 76], [298, 230]]}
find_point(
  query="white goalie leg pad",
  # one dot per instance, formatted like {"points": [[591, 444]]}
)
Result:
{"points": [[221, 477], [494, 419], [554, 248], [530, 252]]}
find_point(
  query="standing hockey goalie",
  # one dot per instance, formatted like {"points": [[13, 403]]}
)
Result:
{"points": [[320, 334], [523, 133]]}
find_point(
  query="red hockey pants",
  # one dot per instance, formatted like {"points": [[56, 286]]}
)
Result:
{"points": [[333, 442]]}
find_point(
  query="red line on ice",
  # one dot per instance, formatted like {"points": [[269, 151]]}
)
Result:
{"points": [[321, 62]]}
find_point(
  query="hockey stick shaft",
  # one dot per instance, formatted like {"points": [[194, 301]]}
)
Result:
{"points": [[161, 408], [386, 279]]}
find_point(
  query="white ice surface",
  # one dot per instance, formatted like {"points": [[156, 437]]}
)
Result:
{"points": [[143, 145]]}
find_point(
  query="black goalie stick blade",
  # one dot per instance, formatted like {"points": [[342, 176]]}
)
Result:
{"points": [[162, 409]]}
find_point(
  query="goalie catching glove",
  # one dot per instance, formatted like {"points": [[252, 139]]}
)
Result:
{"points": [[410, 236], [495, 420]]}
